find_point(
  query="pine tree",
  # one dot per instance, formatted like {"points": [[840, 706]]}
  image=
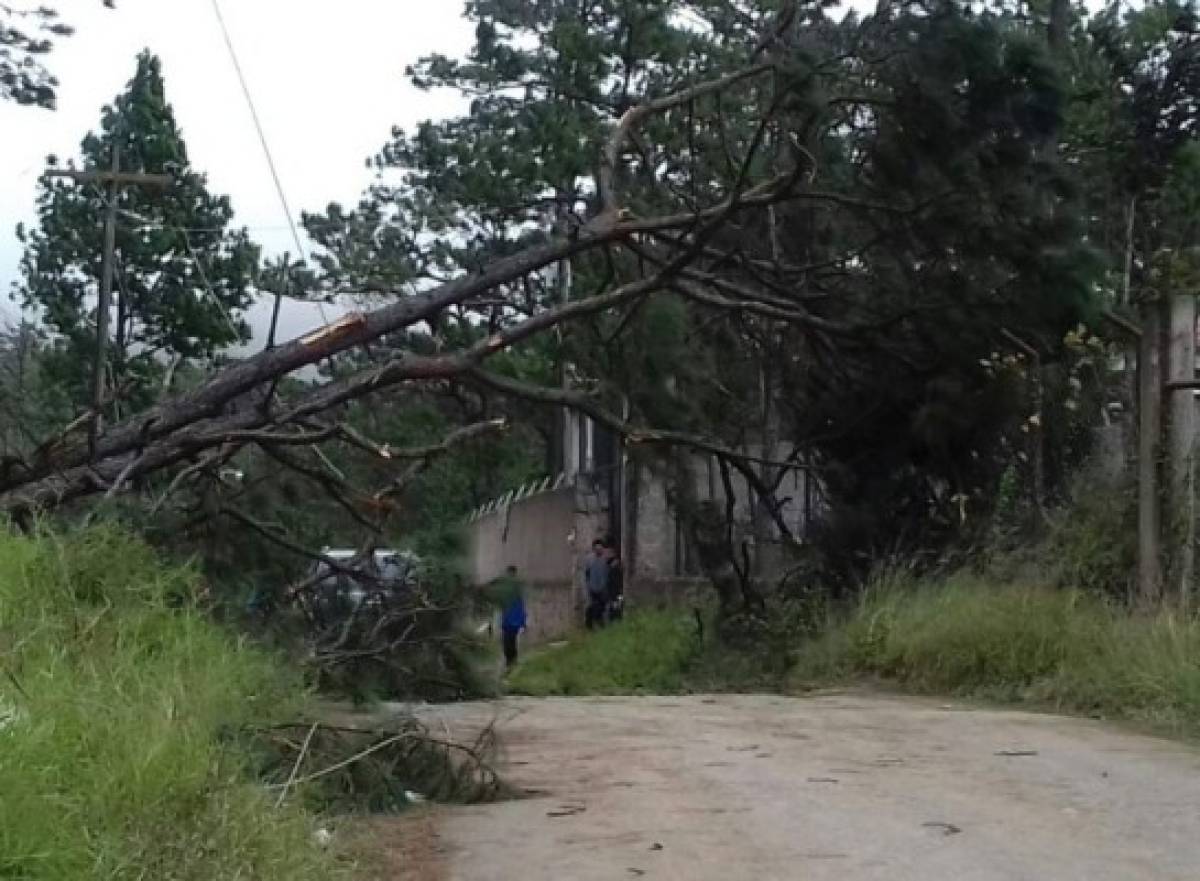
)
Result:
{"points": [[183, 276], [26, 37], [545, 80], [936, 222]]}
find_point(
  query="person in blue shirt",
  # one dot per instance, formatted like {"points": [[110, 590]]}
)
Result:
{"points": [[513, 619]]}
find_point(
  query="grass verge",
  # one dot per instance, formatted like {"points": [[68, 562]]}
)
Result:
{"points": [[1024, 644], [1038, 646], [646, 653], [121, 712]]}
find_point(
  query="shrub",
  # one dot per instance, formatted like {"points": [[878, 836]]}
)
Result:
{"points": [[1092, 544], [1089, 544]]}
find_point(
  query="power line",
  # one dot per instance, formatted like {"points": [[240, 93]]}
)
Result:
{"points": [[196, 261], [157, 225], [262, 137], [233, 328]]}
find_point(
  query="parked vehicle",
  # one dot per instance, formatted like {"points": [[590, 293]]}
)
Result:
{"points": [[372, 585]]}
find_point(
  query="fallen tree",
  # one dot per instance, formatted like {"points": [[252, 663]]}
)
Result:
{"points": [[797, 264], [242, 404]]}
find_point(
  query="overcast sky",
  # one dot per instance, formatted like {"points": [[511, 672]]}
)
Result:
{"points": [[328, 79]]}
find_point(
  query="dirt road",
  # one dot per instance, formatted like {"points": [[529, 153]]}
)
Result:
{"points": [[841, 787]]}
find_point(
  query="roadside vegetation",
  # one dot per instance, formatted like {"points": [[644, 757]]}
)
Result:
{"points": [[964, 636], [123, 720], [649, 653], [660, 651], [1040, 646], [880, 269]]}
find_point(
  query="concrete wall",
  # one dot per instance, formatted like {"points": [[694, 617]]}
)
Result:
{"points": [[655, 550], [651, 535], [554, 611], [535, 534], [546, 536], [670, 593]]}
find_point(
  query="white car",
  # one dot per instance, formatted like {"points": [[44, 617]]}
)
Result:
{"points": [[369, 583]]}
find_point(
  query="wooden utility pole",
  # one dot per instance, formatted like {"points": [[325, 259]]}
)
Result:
{"points": [[114, 179], [1181, 507], [284, 276], [1150, 423]]}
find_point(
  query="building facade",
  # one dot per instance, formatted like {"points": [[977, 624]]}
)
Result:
{"points": [[546, 529]]}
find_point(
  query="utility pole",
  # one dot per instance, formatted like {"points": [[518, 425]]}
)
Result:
{"points": [[284, 275], [115, 179]]}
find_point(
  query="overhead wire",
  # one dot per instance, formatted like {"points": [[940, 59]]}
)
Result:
{"points": [[233, 328], [195, 258], [262, 137], [155, 224], [147, 223]]}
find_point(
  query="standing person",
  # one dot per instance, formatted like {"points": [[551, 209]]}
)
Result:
{"points": [[616, 587], [513, 619], [595, 584]]}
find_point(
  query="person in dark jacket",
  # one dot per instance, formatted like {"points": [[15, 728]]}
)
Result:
{"points": [[513, 619], [595, 585]]}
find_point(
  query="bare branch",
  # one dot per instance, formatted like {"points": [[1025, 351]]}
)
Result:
{"points": [[210, 461], [214, 396], [232, 407], [342, 567], [636, 115], [424, 454], [634, 434]]}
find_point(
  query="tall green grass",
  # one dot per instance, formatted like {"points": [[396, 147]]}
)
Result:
{"points": [[120, 748], [1052, 648], [646, 653]]}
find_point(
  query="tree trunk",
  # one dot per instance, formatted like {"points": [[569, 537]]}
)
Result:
{"points": [[1058, 26], [763, 524], [1182, 505], [1150, 389], [120, 337], [704, 526]]}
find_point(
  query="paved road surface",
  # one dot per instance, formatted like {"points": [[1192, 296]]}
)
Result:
{"points": [[841, 787]]}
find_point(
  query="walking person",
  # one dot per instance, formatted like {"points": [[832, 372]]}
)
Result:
{"points": [[595, 585], [513, 619]]}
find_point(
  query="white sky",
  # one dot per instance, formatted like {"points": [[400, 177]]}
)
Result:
{"points": [[328, 80]]}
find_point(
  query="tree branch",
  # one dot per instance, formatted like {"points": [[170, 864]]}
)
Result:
{"points": [[635, 116]]}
